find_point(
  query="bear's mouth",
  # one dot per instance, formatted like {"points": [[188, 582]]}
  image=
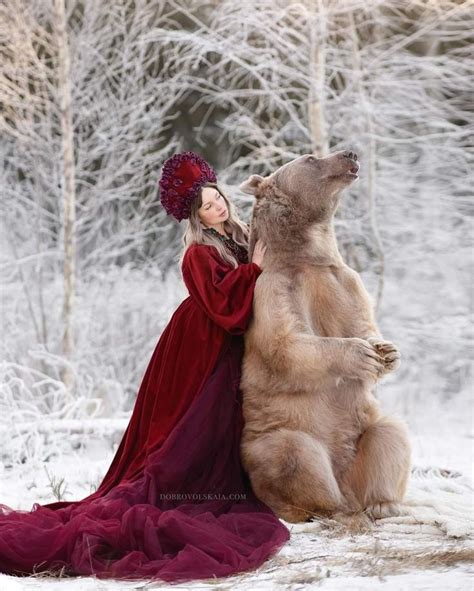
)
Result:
{"points": [[353, 171]]}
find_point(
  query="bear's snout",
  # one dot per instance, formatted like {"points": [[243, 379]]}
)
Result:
{"points": [[353, 162]]}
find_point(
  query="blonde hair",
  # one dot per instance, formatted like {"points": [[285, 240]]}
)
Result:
{"points": [[194, 232]]}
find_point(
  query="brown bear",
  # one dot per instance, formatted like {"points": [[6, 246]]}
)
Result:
{"points": [[315, 441]]}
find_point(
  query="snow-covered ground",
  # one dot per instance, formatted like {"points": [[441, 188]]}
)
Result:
{"points": [[430, 546]]}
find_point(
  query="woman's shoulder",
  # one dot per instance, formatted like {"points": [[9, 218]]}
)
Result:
{"points": [[198, 251], [198, 247]]}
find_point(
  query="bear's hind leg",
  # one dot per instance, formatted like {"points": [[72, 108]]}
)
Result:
{"points": [[379, 473], [291, 472]]}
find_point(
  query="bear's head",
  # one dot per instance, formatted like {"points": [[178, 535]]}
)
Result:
{"points": [[300, 194]]}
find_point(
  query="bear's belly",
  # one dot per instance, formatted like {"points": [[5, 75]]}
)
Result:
{"points": [[336, 416]]}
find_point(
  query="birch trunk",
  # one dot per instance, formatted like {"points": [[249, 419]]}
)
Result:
{"points": [[68, 187], [317, 72], [371, 155]]}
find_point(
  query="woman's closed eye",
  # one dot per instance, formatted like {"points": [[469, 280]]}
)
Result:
{"points": [[218, 197]]}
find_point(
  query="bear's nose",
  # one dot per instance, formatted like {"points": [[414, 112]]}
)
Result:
{"points": [[349, 154]]}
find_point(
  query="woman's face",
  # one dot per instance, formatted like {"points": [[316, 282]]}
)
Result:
{"points": [[213, 210]]}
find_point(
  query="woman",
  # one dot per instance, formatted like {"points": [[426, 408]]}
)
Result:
{"points": [[175, 503]]}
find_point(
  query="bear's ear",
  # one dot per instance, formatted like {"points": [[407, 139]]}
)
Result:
{"points": [[251, 185]]}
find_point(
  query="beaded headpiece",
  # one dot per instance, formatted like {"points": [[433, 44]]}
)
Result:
{"points": [[181, 178]]}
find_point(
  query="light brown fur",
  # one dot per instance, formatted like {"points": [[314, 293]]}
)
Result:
{"points": [[314, 440]]}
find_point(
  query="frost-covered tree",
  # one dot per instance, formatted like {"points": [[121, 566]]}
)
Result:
{"points": [[116, 123], [119, 128]]}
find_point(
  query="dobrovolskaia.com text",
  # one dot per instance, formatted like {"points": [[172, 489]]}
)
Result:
{"points": [[202, 496]]}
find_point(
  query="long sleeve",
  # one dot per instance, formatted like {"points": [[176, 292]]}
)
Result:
{"points": [[223, 293]]}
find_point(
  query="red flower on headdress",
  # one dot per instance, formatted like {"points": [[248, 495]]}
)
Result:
{"points": [[181, 178]]}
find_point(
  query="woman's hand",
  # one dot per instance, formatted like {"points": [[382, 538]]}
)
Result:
{"points": [[258, 252]]}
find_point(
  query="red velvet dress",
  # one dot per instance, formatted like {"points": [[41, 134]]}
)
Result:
{"points": [[175, 503]]}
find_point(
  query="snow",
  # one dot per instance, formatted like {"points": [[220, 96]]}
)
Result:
{"points": [[430, 545]]}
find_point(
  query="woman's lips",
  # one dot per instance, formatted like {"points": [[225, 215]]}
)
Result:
{"points": [[223, 214]]}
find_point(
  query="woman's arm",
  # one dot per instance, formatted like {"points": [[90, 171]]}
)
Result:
{"points": [[224, 294]]}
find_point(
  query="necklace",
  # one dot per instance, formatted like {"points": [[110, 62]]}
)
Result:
{"points": [[237, 250]]}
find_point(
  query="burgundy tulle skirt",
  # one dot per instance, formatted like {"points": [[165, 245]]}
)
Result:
{"points": [[191, 514]]}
